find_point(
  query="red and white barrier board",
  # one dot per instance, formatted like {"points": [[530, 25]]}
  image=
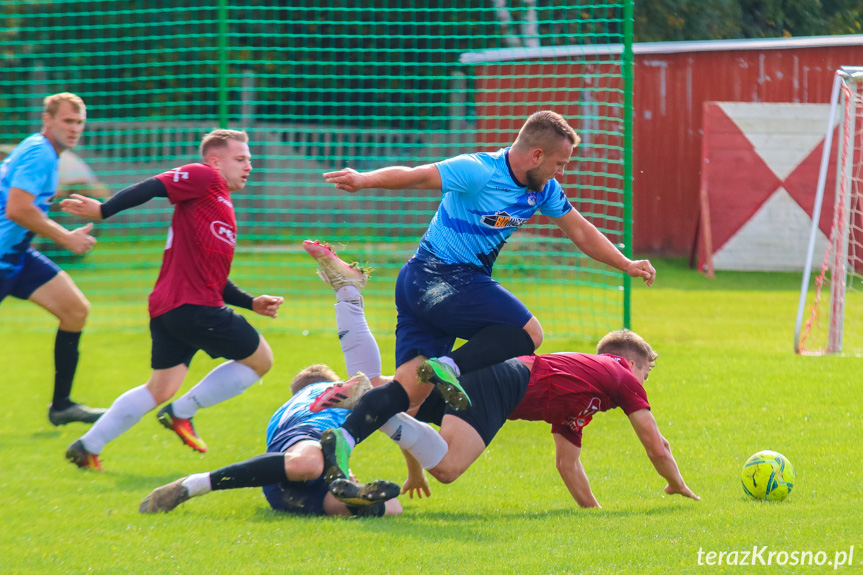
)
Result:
{"points": [[760, 166]]}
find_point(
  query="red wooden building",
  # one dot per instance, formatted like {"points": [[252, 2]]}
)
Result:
{"points": [[672, 82]]}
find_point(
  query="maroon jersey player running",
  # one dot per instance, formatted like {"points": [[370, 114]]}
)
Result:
{"points": [[187, 305]]}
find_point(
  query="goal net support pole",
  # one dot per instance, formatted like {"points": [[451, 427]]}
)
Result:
{"points": [[836, 259]]}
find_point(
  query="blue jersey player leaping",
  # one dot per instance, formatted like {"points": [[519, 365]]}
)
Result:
{"points": [[446, 291], [28, 181]]}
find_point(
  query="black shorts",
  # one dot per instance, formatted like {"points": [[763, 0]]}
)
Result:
{"points": [[298, 497], [178, 334], [494, 392]]}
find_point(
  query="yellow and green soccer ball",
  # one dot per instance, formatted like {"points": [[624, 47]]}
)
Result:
{"points": [[767, 475]]}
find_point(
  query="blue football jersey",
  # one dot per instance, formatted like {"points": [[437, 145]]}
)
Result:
{"points": [[482, 205], [32, 166], [294, 422]]}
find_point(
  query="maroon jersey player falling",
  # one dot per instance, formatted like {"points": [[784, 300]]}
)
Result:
{"points": [[187, 305], [567, 389], [563, 389]]}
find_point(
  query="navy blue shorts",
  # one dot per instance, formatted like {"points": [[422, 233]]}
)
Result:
{"points": [[438, 303], [495, 392], [36, 271], [178, 334], [298, 497]]}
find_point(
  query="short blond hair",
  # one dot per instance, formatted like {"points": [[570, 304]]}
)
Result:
{"points": [[51, 104], [544, 128], [313, 374], [219, 139], [628, 345]]}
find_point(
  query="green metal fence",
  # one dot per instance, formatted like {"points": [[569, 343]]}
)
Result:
{"points": [[321, 87]]}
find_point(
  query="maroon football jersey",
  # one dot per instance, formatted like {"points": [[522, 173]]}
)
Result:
{"points": [[566, 389], [201, 240]]}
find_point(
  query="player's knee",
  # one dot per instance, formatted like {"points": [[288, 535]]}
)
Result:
{"points": [[445, 473], [262, 360], [161, 395], [417, 393], [74, 315], [303, 468], [393, 507]]}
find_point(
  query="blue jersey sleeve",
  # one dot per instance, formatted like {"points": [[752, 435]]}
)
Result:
{"points": [[554, 203], [32, 171], [465, 174]]}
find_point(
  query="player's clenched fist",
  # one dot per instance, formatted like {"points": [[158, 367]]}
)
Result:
{"points": [[79, 241], [267, 305], [642, 269]]}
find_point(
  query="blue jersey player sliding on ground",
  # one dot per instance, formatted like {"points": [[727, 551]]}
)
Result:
{"points": [[446, 291], [28, 182]]}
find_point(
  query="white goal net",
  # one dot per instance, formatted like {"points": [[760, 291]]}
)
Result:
{"points": [[830, 310]]}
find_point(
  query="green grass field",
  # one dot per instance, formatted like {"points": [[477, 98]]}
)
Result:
{"points": [[726, 385]]}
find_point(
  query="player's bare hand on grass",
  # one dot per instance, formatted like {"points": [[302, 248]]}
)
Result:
{"points": [[79, 240], [416, 484], [82, 206], [267, 305], [682, 490], [642, 269], [348, 179]]}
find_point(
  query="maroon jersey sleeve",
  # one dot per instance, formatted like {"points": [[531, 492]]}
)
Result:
{"points": [[187, 182], [630, 396]]}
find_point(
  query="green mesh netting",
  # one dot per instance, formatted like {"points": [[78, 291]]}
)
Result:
{"points": [[364, 85]]}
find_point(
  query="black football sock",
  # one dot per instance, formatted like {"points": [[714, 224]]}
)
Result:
{"points": [[375, 408], [491, 345], [258, 471], [65, 364]]}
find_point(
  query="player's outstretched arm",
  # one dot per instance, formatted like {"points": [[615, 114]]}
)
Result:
{"points": [[594, 244], [572, 472], [417, 482], [659, 452], [82, 206], [21, 210], [425, 177], [129, 197]]}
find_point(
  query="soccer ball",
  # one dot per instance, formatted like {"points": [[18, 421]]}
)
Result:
{"points": [[767, 475]]}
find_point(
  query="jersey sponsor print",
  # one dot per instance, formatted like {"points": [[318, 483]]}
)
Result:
{"points": [[201, 240]]}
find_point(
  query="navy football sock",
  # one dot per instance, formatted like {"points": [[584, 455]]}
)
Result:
{"points": [[65, 364], [375, 408], [492, 345], [258, 471]]}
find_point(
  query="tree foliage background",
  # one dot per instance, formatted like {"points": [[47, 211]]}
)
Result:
{"points": [[669, 20]]}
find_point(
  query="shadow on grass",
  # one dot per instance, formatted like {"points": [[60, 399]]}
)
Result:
{"points": [[264, 514], [50, 434], [576, 513], [143, 484]]}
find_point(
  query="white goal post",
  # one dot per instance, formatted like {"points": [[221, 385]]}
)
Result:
{"points": [[836, 289]]}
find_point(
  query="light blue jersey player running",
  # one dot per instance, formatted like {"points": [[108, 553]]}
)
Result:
{"points": [[28, 183], [446, 291]]}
